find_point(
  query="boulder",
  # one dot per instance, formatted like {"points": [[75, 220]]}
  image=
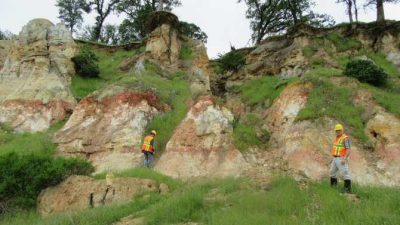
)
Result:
{"points": [[107, 128], [37, 72], [202, 145], [81, 192]]}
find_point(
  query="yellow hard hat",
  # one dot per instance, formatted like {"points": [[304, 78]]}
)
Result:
{"points": [[338, 127], [153, 132]]}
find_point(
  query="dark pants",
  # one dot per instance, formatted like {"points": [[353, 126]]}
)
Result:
{"points": [[148, 159]]}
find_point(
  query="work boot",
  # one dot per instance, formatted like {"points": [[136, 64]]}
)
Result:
{"points": [[347, 186], [333, 182]]}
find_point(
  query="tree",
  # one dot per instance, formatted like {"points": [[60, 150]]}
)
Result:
{"points": [[265, 18], [110, 35], [6, 35], [269, 17], [193, 31], [138, 13], [102, 13], [380, 13], [349, 8], [355, 9], [70, 12]]}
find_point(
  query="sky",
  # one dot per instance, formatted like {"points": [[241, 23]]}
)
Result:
{"points": [[224, 21]]}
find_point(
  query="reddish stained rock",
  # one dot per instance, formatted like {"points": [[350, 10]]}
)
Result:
{"points": [[108, 130], [305, 145], [33, 115]]}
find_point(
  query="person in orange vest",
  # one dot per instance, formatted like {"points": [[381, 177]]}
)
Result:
{"points": [[148, 148], [341, 151]]}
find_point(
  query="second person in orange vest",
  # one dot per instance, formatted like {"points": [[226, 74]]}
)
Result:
{"points": [[148, 149], [341, 152]]}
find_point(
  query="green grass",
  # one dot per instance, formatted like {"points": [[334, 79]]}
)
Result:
{"points": [[27, 143], [308, 52], [245, 135], [264, 89], [186, 52], [145, 173], [326, 99], [381, 61], [343, 44], [109, 72], [389, 100], [240, 202], [323, 72], [98, 216], [82, 87]]}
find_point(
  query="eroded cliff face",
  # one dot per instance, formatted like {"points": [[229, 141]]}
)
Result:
{"points": [[107, 127], [35, 77], [302, 148]]}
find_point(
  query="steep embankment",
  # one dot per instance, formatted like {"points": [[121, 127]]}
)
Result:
{"points": [[293, 87]]}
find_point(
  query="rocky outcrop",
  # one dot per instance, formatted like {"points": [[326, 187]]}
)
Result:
{"points": [[304, 146], [107, 128], [80, 192], [37, 72], [383, 130], [284, 57], [198, 69], [163, 42], [202, 145]]}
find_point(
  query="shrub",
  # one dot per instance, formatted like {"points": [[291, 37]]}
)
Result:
{"points": [[232, 61], [86, 63], [366, 71], [23, 177]]}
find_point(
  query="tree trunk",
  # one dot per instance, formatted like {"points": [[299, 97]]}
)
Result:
{"points": [[355, 9], [97, 30], [349, 9], [380, 14]]}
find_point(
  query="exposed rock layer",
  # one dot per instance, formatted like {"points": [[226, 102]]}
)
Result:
{"points": [[107, 128], [37, 72], [202, 145]]}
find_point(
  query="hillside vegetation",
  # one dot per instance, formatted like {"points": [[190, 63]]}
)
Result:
{"points": [[227, 201], [239, 201]]}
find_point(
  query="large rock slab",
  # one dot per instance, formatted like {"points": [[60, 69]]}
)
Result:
{"points": [[202, 145], [107, 128], [38, 68], [81, 192]]}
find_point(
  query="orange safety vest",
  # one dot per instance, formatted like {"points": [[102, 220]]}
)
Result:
{"points": [[147, 144], [339, 148]]}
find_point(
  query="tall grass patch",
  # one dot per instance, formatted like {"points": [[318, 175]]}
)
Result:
{"points": [[263, 90], [390, 100], [104, 215], [343, 44], [145, 173], [326, 99], [245, 132]]}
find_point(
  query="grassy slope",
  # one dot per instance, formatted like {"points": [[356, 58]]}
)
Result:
{"points": [[240, 202], [26, 143], [327, 99]]}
